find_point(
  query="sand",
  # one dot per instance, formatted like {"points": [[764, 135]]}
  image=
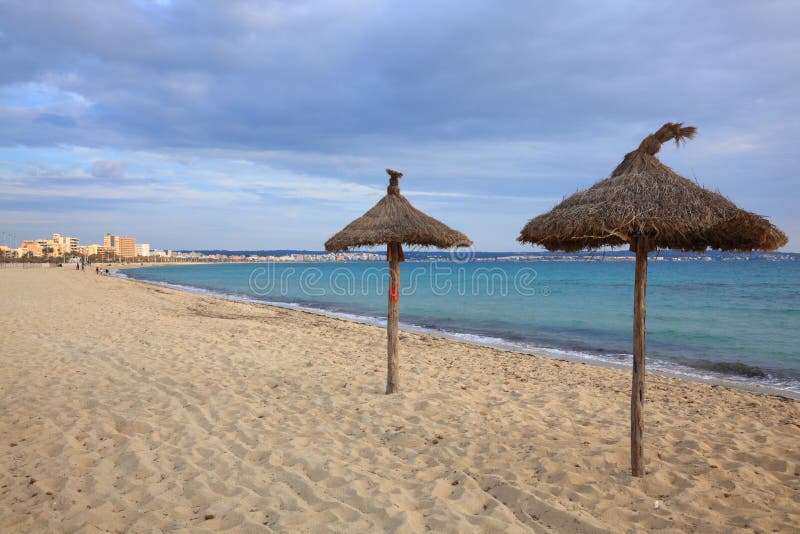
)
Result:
{"points": [[132, 407]]}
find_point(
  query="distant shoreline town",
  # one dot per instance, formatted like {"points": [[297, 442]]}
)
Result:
{"points": [[65, 248], [124, 249]]}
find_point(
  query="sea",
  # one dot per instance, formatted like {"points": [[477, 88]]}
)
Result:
{"points": [[720, 319]]}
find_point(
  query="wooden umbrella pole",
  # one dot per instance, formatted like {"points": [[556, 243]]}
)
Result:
{"points": [[637, 391], [394, 253]]}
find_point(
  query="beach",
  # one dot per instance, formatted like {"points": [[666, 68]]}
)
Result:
{"points": [[128, 406]]}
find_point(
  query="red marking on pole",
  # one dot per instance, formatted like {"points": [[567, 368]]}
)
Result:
{"points": [[394, 294]]}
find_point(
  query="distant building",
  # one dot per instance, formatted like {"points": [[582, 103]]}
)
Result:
{"points": [[110, 241], [58, 245], [125, 247], [31, 247], [50, 247], [71, 244], [106, 253], [91, 250], [143, 249]]}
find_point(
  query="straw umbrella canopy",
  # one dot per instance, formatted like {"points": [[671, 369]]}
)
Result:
{"points": [[646, 205], [393, 221]]}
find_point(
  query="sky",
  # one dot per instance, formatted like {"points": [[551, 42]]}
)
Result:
{"points": [[268, 125]]}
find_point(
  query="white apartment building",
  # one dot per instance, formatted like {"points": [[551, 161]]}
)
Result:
{"points": [[142, 249]]}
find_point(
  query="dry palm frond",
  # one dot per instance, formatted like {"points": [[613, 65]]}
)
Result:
{"points": [[645, 198], [394, 220]]}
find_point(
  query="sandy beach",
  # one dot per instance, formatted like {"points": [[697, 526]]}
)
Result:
{"points": [[131, 407]]}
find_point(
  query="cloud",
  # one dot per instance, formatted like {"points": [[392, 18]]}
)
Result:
{"points": [[280, 102], [108, 169], [285, 75]]}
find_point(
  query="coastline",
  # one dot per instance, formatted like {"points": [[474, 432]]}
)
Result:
{"points": [[558, 354], [156, 408]]}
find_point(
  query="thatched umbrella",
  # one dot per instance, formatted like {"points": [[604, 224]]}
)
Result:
{"points": [[646, 205], [394, 221]]}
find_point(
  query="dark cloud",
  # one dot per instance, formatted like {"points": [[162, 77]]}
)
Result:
{"points": [[327, 74]]}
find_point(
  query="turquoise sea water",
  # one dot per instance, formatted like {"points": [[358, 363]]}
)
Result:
{"points": [[732, 320]]}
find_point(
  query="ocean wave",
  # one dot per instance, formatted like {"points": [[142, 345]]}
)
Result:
{"points": [[729, 368]]}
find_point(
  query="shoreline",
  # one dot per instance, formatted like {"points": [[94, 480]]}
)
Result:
{"points": [[563, 355], [138, 407]]}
